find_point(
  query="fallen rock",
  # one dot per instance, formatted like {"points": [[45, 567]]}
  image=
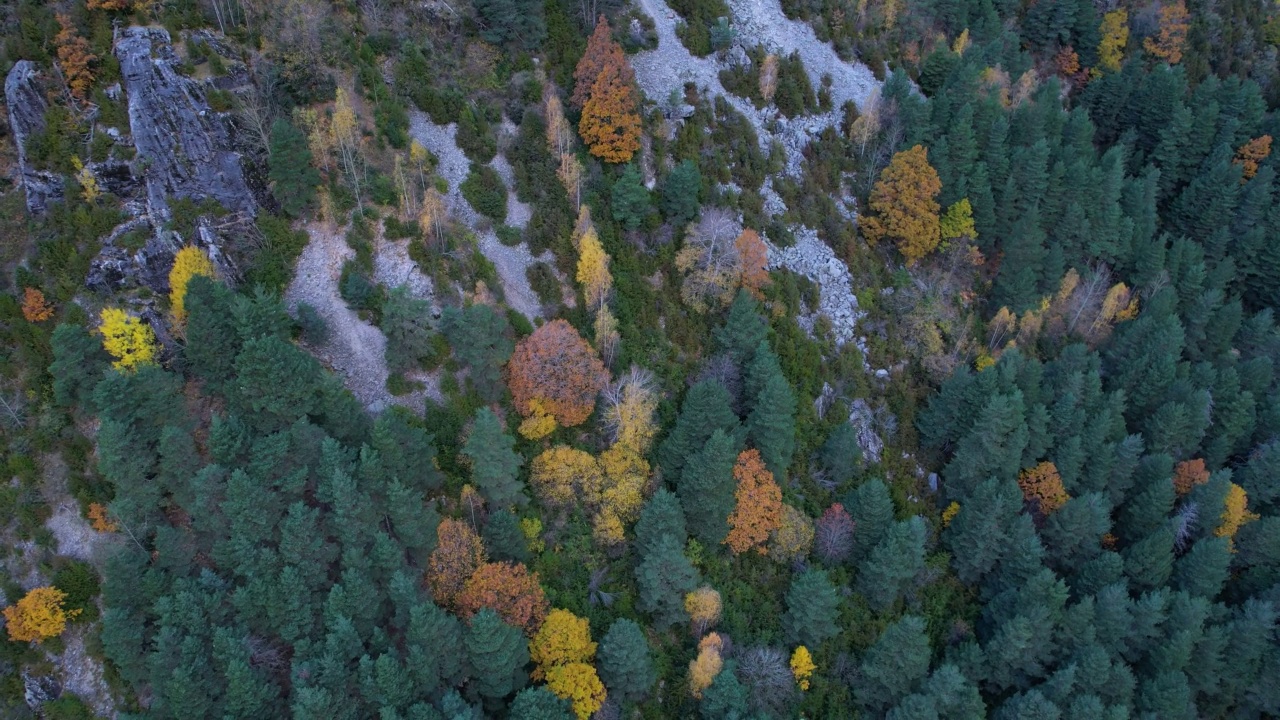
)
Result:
{"points": [[39, 689], [25, 100]]}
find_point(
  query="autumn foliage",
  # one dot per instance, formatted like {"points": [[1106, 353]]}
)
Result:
{"points": [[556, 366], [1188, 474], [1235, 513], [74, 57], [34, 307], [579, 684], [753, 262], [833, 534], [188, 263], [129, 340], [759, 504], [1251, 154], [564, 638], [707, 665], [1168, 42], [903, 205], [459, 552], [510, 590], [793, 539], [38, 615], [1042, 485], [704, 608], [604, 87], [802, 666]]}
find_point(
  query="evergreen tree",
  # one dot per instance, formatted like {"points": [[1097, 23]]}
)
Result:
{"points": [[78, 364], [503, 537], [495, 465], [664, 577], [771, 426], [513, 21], [840, 453], [893, 563], [743, 330], [293, 179], [1204, 569], [539, 703], [276, 382], [405, 323], [977, 535], [661, 517], [812, 609], [213, 340], [1149, 561], [478, 335], [679, 199], [707, 488], [626, 666], [871, 509], [630, 198], [431, 629], [406, 452], [706, 408], [496, 655], [726, 698], [762, 369], [893, 665]]}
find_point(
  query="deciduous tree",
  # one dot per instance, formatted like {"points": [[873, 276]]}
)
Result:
{"points": [[610, 122], [555, 365], [1251, 154], [38, 615], [704, 607], [510, 590], [1235, 513], [802, 666], [1115, 35], [629, 415], [904, 206], [708, 663], [562, 476], [1042, 488], [1168, 42], [1188, 474], [187, 263], [563, 638], [758, 511], [753, 262], [593, 269], [578, 683], [459, 552], [34, 307], [130, 341], [793, 539], [74, 57], [833, 535]]}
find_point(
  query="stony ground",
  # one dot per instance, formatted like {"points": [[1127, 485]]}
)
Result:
{"points": [[510, 262]]}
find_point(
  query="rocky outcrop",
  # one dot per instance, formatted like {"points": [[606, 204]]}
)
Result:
{"points": [[116, 268], [183, 148], [815, 260], [25, 100]]}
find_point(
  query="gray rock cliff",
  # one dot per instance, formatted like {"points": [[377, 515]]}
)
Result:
{"points": [[25, 100]]}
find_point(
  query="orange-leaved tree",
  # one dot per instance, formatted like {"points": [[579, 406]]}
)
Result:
{"points": [[903, 205], [753, 262], [459, 551], [759, 504], [34, 307], [556, 366], [1188, 474], [1251, 154], [1042, 486], [1167, 44], [601, 50], [38, 615], [510, 590], [74, 58], [610, 123]]}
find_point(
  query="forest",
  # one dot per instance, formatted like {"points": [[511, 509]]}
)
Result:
{"points": [[720, 359]]}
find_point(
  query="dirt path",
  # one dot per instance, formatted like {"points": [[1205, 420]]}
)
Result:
{"points": [[510, 262]]}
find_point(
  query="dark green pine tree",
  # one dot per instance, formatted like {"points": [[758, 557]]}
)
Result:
{"points": [[276, 383], [977, 535], [679, 196], [664, 577], [1142, 357], [496, 655], [743, 330], [385, 682], [213, 340], [763, 367], [1208, 201], [1032, 705], [661, 517], [78, 364], [1072, 533], [706, 408], [1149, 561], [293, 179], [812, 609], [626, 665], [771, 426], [871, 509], [475, 137], [406, 451], [840, 453], [1260, 477], [480, 338], [707, 488], [893, 563], [1258, 555], [893, 665], [405, 322], [992, 447], [414, 519], [1151, 499], [727, 697], [503, 537], [630, 198], [1203, 571], [953, 694], [522, 22], [495, 465], [1017, 285], [539, 703], [431, 629]]}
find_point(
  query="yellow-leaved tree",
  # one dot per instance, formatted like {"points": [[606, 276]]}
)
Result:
{"points": [[38, 615], [129, 340], [562, 475], [579, 684], [188, 263], [704, 668], [1235, 513], [563, 638], [903, 205], [632, 404], [802, 666], [704, 607], [1115, 35], [593, 269]]}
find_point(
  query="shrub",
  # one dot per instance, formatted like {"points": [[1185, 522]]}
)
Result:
{"points": [[483, 188], [544, 282], [507, 235], [315, 331], [80, 583], [475, 136]]}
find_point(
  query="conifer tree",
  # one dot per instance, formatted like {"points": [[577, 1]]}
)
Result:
{"points": [[630, 198], [893, 563], [726, 698], [293, 179], [664, 577], [495, 465], [539, 703], [626, 665], [661, 517], [812, 609], [894, 664], [405, 323], [706, 489], [977, 533], [513, 21], [478, 335], [743, 330], [496, 655], [678, 196], [706, 408], [771, 426], [1149, 561], [78, 364], [504, 538], [1204, 569], [871, 509]]}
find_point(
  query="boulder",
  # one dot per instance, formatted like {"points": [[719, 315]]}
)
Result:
{"points": [[25, 100], [39, 689]]}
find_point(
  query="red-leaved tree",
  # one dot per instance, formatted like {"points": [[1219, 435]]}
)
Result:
{"points": [[558, 369]]}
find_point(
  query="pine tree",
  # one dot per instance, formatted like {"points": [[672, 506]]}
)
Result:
{"points": [[478, 335], [743, 328], [894, 664], [893, 563], [977, 533], [78, 364], [1204, 569], [406, 452], [539, 703], [630, 198], [664, 577], [706, 408], [513, 21], [293, 179], [812, 609], [405, 323], [504, 538], [496, 655], [771, 426], [626, 665], [1149, 561], [706, 489], [495, 465], [678, 197], [661, 517], [871, 509]]}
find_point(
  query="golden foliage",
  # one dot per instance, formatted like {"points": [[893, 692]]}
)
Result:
{"points": [[34, 307], [630, 415], [1067, 62], [578, 683], [99, 520], [87, 180], [1188, 474], [562, 475], [626, 474], [1043, 485], [1251, 154], [593, 269], [753, 262], [539, 424], [769, 77], [793, 539], [38, 615], [188, 263], [759, 504], [74, 57], [962, 42], [531, 528], [563, 638], [559, 136], [1115, 35], [459, 552], [606, 332], [570, 174], [704, 607], [710, 261], [957, 221], [903, 205], [510, 590], [1235, 513], [950, 513], [557, 366], [707, 665], [802, 666], [1167, 44], [130, 341]]}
